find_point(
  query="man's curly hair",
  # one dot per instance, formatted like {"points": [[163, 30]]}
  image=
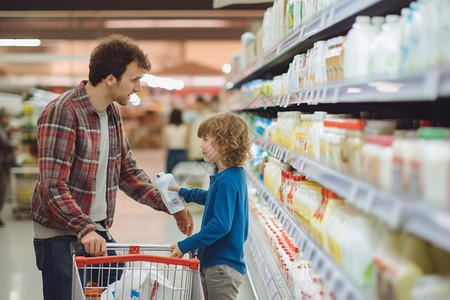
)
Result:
{"points": [[112, 56], [230, 135]]}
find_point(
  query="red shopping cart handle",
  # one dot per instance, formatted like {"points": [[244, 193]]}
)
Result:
{"points": [[192, 263]]}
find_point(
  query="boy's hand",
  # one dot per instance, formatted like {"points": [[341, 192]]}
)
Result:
{"points": [[185, 221], [176, 252], [175, 189]]}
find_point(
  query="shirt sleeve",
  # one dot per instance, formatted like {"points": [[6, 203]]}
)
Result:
{"points": [[134, 182], [194, 195], [219, 225], [56, 140]]}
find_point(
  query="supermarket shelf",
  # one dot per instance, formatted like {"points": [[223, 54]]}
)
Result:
{"points": [[322, 26], [416, 217], [425, 86], [331, 274], [264, 273]]}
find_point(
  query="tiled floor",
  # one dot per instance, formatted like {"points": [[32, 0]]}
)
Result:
{"points": [[19, 278]]}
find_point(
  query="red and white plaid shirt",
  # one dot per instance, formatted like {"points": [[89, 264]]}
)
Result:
{"points": [[69, 141]]}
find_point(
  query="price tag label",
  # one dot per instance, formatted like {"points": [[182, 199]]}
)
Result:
{"points": [[302, 33], [301, 96], [431, 84], [279, 100], [352, 193], [396, 214], [335, 97], [368, 202], [330, 19]]}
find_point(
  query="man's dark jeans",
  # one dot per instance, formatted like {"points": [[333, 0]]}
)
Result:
{"points": [[54, 260]]}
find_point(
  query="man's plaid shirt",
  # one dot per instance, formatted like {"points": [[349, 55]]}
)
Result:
{"points": [[69, 141]]}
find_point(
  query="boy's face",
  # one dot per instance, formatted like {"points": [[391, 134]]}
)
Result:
{"points": [[209, 152]]}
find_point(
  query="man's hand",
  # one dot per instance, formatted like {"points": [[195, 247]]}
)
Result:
{"points": [[185, 221], [94, 244], [176, 252]]}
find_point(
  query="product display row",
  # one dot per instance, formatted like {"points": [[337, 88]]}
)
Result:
{"points": [[296, 279], [347, 246], [329, 20], [350, 100]]}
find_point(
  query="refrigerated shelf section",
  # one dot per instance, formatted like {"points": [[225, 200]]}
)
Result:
{"points": [[331, 274], [425, 86], [416, 217], [323, 25], [264, 273]]}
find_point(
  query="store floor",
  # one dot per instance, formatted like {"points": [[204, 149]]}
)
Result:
{"points": [[135, 223]]}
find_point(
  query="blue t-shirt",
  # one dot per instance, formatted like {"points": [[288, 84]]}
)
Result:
{"points": [[225, 220]]}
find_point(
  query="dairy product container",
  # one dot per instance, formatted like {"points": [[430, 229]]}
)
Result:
{"points": [[324, 142], [290, 196], [313, 135], [288, 186], [431, 287], [402, 149], [377, 159], [359, 250], [377, 23], [357, 48], [336, 138], [395, 275], [300, 132], [297, 196], [431, 167], [334, 59], [320, 50], [170, 198], [386, 51], [354, 141]]}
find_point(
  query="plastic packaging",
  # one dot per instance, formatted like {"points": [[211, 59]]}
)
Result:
{"points": [[386, 51], [170, 198], [357, 48]]}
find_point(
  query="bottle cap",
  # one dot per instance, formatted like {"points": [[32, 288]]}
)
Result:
{"points": [[435, 133]]}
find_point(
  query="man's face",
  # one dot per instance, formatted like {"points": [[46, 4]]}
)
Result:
{"points": [[129, 84]]}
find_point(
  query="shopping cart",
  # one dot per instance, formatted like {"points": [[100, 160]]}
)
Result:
{"points": [[136, 272]]}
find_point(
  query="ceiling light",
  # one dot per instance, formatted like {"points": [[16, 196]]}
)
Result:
{"points": [[135, 100], [226, 68], [20, 42], [163, 82], [180, 23]]}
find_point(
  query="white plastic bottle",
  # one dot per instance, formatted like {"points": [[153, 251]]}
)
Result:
{"points": [[386, 48], [357, 48], [313, 136], [170, 198]]}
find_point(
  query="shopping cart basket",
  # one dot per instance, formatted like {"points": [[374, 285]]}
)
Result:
{"points": [[136, 272]]}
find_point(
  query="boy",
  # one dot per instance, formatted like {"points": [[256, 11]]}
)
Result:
{"points": [[220, 242]]}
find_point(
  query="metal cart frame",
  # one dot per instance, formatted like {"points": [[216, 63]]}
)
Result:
{"points": [[135, 273]]}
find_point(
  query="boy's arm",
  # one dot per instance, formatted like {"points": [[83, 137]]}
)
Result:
{"points": [[194, 195], [219, 225]]}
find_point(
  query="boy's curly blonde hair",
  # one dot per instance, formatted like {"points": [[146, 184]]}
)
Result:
{"points": [[230, 136]]}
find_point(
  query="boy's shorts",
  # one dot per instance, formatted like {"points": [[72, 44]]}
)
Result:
{"points": [[221, 282]]}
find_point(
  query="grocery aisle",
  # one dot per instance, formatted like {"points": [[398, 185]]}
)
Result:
{"points": [[19, 278]]}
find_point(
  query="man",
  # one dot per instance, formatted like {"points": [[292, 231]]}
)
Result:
{"points": [[84, 157]]}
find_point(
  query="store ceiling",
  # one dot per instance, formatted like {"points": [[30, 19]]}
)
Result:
{"points": [[149, 20], [174, 32]]}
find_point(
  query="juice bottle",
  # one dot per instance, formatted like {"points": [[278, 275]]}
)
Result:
{"points": [[313, 135], [290, 197], [353, 144]]}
